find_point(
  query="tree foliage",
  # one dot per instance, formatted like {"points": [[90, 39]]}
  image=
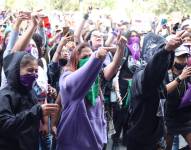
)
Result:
{"points": [[154, 6], [169, 6]]}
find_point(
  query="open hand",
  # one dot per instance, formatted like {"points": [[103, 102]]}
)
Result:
{"points": [[175, 42]]}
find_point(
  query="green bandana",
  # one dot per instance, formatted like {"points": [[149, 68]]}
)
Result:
{"points": [[94, 90], [129, 93]]}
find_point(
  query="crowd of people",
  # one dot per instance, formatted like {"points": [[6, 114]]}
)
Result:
{"points": [[62, 83]]}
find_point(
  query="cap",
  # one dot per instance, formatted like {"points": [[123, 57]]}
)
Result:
{"points": [[97, 33], [187, 44], [182, 50]]}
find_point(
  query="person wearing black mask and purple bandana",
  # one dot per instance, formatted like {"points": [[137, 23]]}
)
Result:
{"points": [[145, 127], [177, 112], [20, 114]]}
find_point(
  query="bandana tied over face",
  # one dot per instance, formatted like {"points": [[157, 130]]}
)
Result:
{"points": [[94, 90], [28, 80], [134, 47], [179, 66]]}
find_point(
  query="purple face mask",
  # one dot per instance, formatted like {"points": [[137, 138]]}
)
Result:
{"points": [[28, 80], [134, 46]]}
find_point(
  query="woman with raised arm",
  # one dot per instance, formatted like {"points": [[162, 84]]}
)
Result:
{"points": [[82, 124]]}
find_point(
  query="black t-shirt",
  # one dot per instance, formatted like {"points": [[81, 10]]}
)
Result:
{"points": [[173, 112]]}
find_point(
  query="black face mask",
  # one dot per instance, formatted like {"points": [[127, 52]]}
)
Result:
{"points": [[179, 66], [62, 62]]}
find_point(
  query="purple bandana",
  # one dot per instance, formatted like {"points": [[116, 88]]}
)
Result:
{"points": [[28, 80], [134, 46]]}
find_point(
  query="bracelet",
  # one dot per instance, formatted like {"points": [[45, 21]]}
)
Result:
{"points": [[86, 16], [178, 80], [114, 33]]}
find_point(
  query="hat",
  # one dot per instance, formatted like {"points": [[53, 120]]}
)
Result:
{"points": [[182, 50], [97, 33], [187, 44]]}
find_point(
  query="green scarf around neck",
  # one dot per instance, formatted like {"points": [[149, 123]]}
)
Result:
{"points": [[94, 90]]}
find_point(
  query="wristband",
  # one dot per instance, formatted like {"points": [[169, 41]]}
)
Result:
{"points": [[178, 80], [86, 16], [114, 33]]}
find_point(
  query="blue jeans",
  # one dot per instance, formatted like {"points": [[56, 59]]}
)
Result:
{"points": [[45, 142], [175, 145]]}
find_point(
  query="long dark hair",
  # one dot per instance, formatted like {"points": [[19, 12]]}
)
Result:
{"points": [[39, 43], [129, 33]]}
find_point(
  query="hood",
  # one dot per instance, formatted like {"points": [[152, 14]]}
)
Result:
{"points": [[11, 66], [151, 44]]}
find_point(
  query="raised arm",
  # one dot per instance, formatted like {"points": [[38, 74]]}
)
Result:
{"points": [[23, 41], [41, 31], [112, 68], [78, 32], [81, 80], [14, 34], [59, 49], [158, 66]]}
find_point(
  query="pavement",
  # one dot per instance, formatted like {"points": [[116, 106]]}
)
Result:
{"points": [[182, 142]]}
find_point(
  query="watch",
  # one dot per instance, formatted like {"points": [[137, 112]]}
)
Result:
{"points": [[178, 80]]}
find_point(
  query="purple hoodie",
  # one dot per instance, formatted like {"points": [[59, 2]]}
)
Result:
{"points": [[82, 126]]}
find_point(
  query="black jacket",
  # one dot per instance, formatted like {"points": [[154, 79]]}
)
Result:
{"points": [[145, 127], [19, 113], [54, 72]]}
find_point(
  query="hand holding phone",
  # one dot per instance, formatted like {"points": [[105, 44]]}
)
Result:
{"points": [[66, 31], [24, 15]]}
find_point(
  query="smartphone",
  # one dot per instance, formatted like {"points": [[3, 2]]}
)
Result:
{"points": [[65, 31], [26, 13], [46, 22]]}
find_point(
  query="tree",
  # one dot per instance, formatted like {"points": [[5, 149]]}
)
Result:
{"points": [[169, 6], [9, 3]]}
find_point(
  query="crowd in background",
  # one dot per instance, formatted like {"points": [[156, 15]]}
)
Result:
{"points": [[64, 82]]}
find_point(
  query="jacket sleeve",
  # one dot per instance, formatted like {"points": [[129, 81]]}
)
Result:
{"points": [[155, 71], [79, 82], [11, 123], [13, 38], [53, 72]]}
